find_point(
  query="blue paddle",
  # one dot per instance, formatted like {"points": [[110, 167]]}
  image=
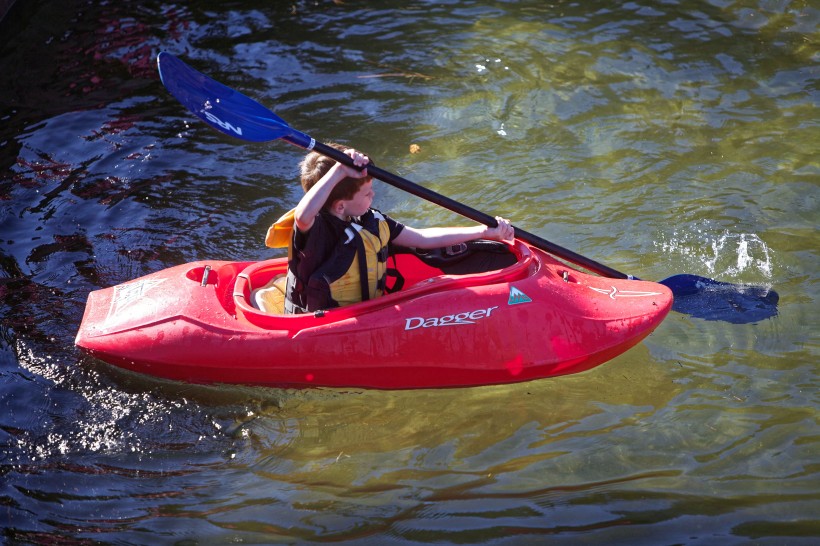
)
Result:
{"points": [[239, 116]]}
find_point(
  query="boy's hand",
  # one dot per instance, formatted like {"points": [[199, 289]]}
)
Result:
{"points": [[360, 160], [504, 231]]}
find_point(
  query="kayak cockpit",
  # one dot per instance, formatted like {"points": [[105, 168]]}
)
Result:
{"points": [[258, 292]]}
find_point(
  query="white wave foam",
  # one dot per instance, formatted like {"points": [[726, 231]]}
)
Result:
{"points": [[739, 256]]}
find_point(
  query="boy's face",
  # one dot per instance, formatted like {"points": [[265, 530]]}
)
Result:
{"points": [[361, 201]]}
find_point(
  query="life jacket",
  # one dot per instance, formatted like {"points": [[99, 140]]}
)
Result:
{"points": [[350, 268]]}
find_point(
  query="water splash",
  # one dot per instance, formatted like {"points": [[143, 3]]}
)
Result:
{"points": [[737, 256], [742, 265], [734, 254]]}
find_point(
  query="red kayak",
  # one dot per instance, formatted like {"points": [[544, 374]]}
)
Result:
{"points": [[482, 314]]}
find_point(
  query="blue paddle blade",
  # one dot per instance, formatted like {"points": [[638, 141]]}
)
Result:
{"points": [[223, 108], [709, 299]]}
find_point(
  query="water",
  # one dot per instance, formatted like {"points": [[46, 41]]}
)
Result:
{"points": [[655, 137]]}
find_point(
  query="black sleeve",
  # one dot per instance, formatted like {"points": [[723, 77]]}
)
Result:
{"points": [[395, 227]]}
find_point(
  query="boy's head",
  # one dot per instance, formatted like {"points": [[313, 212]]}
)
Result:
{"points": [[316, 165]]}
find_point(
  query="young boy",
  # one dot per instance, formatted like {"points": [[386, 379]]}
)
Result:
{"points": [[334, 227]]}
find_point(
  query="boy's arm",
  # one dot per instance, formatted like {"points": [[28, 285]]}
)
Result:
{"points": [[447, 236], [312, 202]]}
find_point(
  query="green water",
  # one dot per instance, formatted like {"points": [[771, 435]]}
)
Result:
{"points": [[655, 137]]}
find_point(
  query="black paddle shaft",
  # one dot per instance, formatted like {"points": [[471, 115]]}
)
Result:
{"points": [[469, 212]]}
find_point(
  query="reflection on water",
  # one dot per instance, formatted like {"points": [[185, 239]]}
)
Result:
{"points": [[659, 138], [98, 418]]}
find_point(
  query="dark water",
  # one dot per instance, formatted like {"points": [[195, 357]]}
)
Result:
{"points": [[655, 137]]}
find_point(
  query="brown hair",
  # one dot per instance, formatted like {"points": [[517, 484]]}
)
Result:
{"points": [[315, 165]]}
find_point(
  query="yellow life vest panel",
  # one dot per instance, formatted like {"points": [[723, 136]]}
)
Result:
{"points": [[280, 233], [349, 288]]}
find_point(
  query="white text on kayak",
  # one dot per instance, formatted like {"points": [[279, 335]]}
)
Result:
{"points": [[469, 317]]}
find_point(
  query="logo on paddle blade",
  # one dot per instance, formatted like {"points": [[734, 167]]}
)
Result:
{"points": [[517, 296], [613, 293], [224, 124]]}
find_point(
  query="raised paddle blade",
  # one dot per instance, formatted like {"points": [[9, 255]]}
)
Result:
{"points": [[221, 107], [709, 299]]}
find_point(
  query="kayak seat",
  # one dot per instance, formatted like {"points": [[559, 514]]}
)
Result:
{"points": [[271, 297]]}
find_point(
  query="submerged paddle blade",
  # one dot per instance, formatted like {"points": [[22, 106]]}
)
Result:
{"points": [[223, 108], [709, 299]]}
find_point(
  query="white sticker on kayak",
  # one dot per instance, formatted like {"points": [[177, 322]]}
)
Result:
{"points": [[126, 294], [468, 317], [613, 293]]}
